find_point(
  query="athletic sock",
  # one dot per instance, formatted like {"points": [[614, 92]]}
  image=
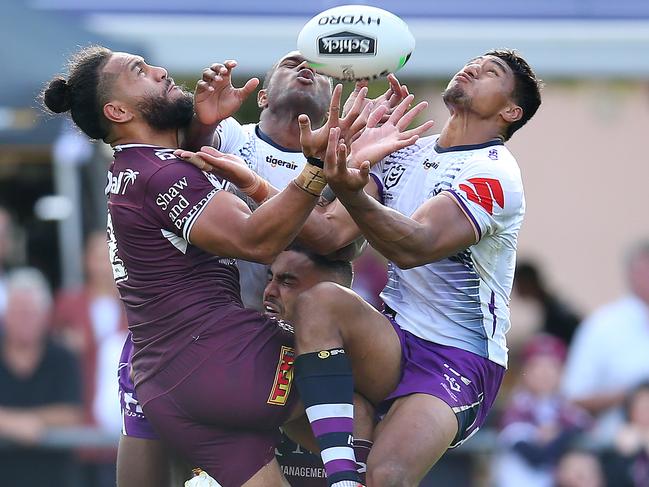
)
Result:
{"points": [[324, 381], [361, 452]]}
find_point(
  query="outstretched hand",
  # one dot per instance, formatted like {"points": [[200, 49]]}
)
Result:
{"points": [[314, 142], [377, 141], [215, 98], [395, 93], [227, 166], [340, 177]]}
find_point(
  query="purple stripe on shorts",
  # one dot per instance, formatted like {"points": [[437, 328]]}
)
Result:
{"points": [[335, 466], [331, 425]]}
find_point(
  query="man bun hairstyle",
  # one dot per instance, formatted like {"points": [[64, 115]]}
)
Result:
{"points": [[84, 92], [57, 95], [527, 87]]}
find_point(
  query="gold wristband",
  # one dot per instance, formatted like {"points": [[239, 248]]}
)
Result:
{"points": [[311, 179]]}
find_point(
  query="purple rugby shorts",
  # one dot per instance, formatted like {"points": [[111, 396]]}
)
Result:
{"points": [[133, 421], [465, 381], [219, 403]]}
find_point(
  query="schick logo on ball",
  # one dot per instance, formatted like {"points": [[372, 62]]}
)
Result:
{"points": [[346, 43]]}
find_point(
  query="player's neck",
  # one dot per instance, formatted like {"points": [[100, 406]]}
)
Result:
{"points": [[284, 131], [463, 130], [144, 134]]}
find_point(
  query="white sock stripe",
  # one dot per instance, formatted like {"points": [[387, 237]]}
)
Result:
{"points": [[337, 453], [322, 411]]}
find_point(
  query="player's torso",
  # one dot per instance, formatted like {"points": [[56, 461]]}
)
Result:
{"points": [[279, 166], [166, 283], [460, 300], [276, 164]]}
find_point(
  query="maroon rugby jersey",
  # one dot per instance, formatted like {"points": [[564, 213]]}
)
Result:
{"points": [[171, 289]]}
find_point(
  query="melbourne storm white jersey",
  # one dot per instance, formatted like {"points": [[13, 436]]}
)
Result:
{"points": [[460, 301], [277, 165]]}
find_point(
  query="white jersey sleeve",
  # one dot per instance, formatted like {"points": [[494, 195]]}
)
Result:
{"points": [[231, 136], [490, 194]]}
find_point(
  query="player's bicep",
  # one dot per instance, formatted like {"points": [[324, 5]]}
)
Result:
{"points": [[220, 228], [447, 228]]}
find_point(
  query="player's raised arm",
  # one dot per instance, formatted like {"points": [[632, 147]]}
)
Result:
{"points": [[227, 227], [437, 229], [326, 230], [215, 99]]}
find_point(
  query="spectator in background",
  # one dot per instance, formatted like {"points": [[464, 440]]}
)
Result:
{"points": [[579, 468], [538, 423], [610, 352], [6, 249], [556, 318], [39, 387], [91, 320], [628, 464]]}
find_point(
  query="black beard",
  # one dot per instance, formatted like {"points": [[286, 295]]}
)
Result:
{"points": [[455, 96], [164, 114]]}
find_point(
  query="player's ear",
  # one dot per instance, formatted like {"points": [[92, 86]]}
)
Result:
{"points": [[512, 113], [262, 98], [117, 112]]}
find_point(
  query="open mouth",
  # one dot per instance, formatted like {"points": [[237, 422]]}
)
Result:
{"points": [[271, 309], [306, 76]]}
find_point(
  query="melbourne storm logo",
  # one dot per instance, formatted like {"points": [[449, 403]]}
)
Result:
{"points": [[392, 178], [346, 43]]}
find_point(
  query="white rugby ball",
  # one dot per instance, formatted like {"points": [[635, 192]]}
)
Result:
{"points": [[353, 42]]}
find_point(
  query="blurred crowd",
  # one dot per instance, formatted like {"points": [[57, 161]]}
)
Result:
{"points": [[574, 411]]}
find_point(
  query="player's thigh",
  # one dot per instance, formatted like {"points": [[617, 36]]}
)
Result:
{"points": [[142, 463], [269, 475], [231, 456], [414, 434], [328, 313], [240, 377]]}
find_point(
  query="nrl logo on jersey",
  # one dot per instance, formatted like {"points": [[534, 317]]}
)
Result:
{"points": [[118, 184], [393, 176]]}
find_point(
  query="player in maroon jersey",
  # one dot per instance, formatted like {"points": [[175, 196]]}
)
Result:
{"points": [[212, 377]]}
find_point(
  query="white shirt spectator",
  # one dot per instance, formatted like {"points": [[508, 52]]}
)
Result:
{"points": [[610, 353]]}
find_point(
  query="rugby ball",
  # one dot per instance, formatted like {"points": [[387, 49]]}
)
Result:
{"points": [[354, 42]]}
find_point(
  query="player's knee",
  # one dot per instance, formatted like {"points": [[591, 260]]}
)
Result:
{"points": [[316, 317], [318, 301], [389, 474]]}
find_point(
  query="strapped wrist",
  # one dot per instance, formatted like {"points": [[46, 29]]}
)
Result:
{"points": [[311, 179], [314, 161], [258, 190]]}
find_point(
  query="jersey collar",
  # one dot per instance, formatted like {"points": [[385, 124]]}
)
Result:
{"points": [[270, 141], [457, 148]]}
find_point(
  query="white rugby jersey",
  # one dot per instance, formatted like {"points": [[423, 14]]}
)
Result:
{"points": [[277, 165], [461, 301]]}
